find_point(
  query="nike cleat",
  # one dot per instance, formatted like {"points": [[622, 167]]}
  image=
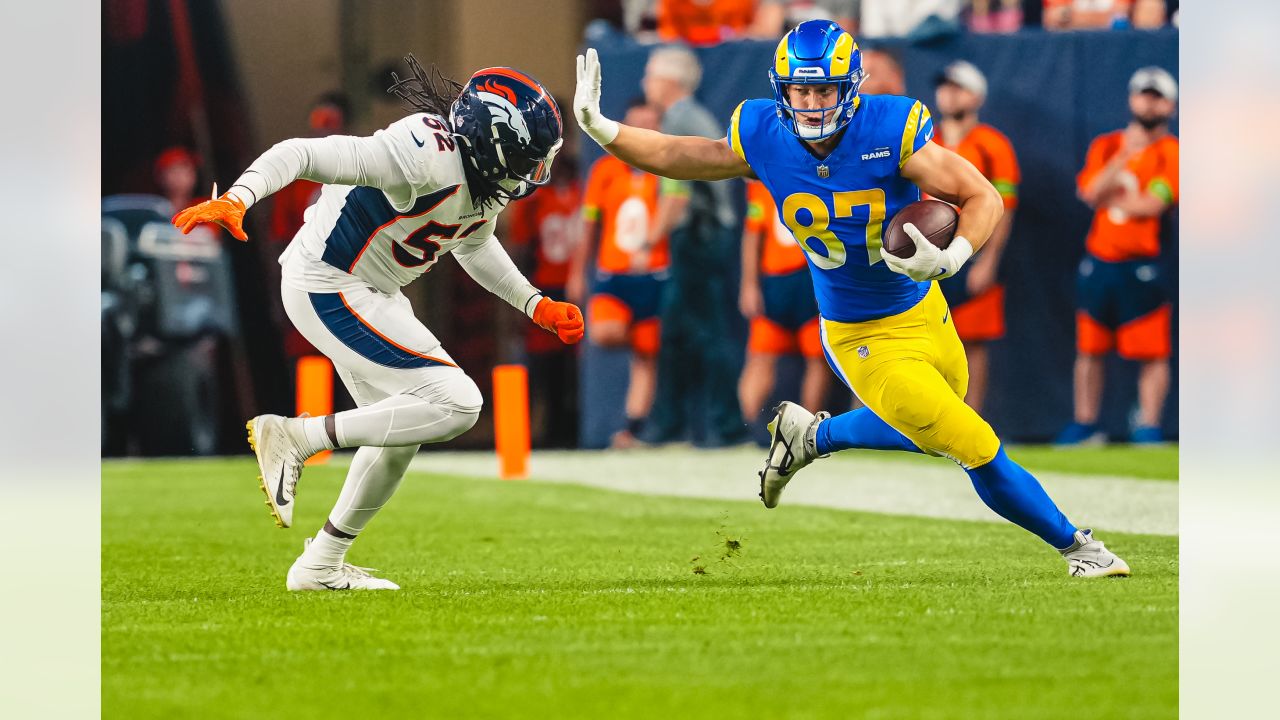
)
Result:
{"points": [[1088, 558], [792, 447], [343, 577], [279, 464]]}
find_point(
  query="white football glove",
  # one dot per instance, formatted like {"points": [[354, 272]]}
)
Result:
{"points": [[586, 101], [929, 263]]}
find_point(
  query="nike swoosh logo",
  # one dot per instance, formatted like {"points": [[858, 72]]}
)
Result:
{"points": [[280, 499], [946, 315], [415, 139], [941, 272], [784, 464]]}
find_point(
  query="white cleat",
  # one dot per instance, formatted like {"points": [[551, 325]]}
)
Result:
{"points": [[279, 464], [344, 577], [792, 447], [1088, 558]]}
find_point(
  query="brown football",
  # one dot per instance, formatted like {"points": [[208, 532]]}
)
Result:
{"points": [[934, 218]]}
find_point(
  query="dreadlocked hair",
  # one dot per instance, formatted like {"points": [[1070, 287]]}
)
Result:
{"points": [[428, 92], [433, 93]]}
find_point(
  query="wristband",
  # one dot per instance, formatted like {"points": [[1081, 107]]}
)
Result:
{"points": [[602, 130]]}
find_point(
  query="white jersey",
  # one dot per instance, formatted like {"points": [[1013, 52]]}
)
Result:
{"points": [[389, 235], [392, 204]]}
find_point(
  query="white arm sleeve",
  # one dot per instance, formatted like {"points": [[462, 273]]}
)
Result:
{"points": [[489, 264], [396, 160], [337, 159]]}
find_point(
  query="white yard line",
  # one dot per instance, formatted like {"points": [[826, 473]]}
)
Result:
{"points": [[930, 488]]}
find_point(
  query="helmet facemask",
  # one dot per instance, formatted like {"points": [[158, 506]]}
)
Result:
{"points": [[842, 112], [525, 172]]}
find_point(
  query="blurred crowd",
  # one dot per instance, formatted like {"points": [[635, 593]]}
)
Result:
{"points": [[708, 22]]}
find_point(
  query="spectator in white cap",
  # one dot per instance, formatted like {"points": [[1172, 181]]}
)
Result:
{"points": [[976, 294], [966, 76], [1161, 90]]}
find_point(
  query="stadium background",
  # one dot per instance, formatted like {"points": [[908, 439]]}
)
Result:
{"points": [[224, 79], [539, 598]]}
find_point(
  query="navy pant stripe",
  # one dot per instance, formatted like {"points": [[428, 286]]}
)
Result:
{"points": [[355, 334]]}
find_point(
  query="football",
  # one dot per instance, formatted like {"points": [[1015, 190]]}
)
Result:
{"points": [[936, 219]]}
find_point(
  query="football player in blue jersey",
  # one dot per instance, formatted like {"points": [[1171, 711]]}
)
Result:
{"points": [[839, 164]]}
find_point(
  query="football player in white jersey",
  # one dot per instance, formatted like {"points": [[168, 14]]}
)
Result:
{"points": [[391, 205]]}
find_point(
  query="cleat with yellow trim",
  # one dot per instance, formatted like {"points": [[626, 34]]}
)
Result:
{"points": [[280, 458], [791, 448], [343, 577], [1089, 558]]}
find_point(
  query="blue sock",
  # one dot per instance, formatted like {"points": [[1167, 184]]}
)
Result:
{"points": [[860, 428], [1018, 497]]}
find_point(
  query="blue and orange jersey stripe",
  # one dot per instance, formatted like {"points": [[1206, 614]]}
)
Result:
{"points": [[355, 228]]}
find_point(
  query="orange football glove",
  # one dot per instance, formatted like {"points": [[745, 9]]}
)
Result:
{"points": [[562, 318], [227, 211]]}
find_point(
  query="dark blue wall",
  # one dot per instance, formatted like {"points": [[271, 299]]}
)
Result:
{"points": [[1050, 93]]}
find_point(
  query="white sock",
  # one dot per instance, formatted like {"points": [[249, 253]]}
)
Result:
{"points": [[317, 436], [325, 550], [401, 420]]}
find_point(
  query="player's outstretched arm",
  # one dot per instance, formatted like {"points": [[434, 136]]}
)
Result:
{"points": [[336, 159], [678, 157], [332, 160], [673, 156]]}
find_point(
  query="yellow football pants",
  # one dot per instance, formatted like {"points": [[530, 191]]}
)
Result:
{"points": [[910, 370]]}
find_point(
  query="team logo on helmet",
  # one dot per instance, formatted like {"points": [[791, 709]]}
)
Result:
{"points": [[502, 107]]}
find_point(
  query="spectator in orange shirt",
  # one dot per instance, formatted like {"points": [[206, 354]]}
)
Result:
{"points": [[774, 17], [776, 295], [620, 208], [976, 294], [546, 226], [709, 22], [1130, 178]]}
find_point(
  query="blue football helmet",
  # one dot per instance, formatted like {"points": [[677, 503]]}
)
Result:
{"points": [[817, 52], [510, 128]]}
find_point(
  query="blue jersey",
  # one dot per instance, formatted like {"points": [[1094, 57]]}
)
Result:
{"points": [[837, 206]]}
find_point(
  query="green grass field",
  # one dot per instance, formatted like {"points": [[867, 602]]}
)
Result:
{"points": [[540, 600]]}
